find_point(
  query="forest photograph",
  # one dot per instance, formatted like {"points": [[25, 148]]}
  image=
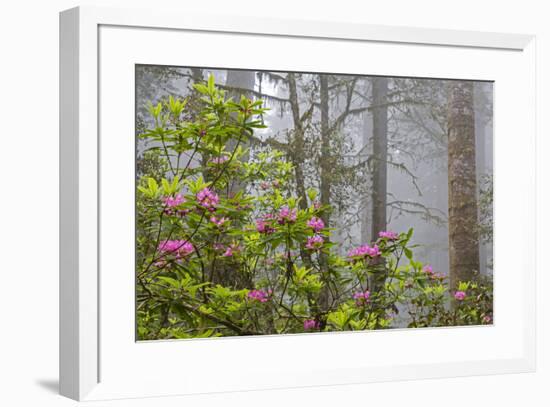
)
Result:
{"points": [[272, 203]]}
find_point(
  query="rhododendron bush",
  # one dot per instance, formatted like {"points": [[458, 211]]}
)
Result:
{"points": [[225, 247]]}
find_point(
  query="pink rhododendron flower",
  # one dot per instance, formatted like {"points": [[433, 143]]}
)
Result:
{"points": [[259, 295], [365, 250], [231, 250], [263, 227], [179, 248], [316, 224], [287, 215], [317, 205], [173, 201], [315, 242], [460, 295], [218, 221], [310, 324], [361, 298], [487, 319], [208, 199], [428, 269], [387, 234], [219, 160], [264, 185]]}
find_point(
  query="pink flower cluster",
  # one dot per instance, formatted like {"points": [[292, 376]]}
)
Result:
{"points": [[429, 271], [218, 221], [179, 248], [387, 234], [263, 226], [208, 199], [365, 250], [310, 324], [173, 201], [460, 295], [259, 295], [265, 185], [219, 160], [316, 224], [315, 242], [287, 215], [231, 250], [361, 298]]}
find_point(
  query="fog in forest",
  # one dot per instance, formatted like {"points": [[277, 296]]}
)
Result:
{"points": [[384, 134]]}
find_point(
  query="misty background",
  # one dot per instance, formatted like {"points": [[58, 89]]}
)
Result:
{"points": [[409, 115]]}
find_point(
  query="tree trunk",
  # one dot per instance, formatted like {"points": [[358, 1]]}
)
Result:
{"points": [[296, 150], [326, 168], [479, 125], [325, 164], [365, 152], [240, 82], [380, 168], [380, 154], [296, 154], [463, 236]]}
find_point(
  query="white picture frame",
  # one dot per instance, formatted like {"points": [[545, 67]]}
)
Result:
{"points": [[95, 365]]}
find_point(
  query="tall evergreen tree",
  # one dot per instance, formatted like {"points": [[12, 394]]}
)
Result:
{"points": [[463, 235]]}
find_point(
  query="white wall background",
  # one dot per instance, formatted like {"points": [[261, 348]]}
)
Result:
{"points": [[29, 200]]}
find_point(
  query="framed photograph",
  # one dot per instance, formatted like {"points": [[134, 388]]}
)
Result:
{"points": [[253, 204]]}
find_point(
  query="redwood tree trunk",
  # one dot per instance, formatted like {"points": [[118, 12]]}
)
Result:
{"points": [[296, 153], [325, 163], [240, 82], [296, 150], [380, 169], [380, 154], [463, 236], [326, 168]]}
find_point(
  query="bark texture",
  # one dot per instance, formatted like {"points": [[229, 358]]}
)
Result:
{"points": [[380, 168], [326, 167], [463, 236], [296, 151], [380, 154]]}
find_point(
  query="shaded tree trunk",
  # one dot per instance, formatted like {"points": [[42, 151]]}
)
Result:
{"points": [[365, 152], [480, 123], [380, 154], [380, 168], [326, 167], [297, 155], [325, 164], [240, 82], [296, 150], [463, 235]]}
